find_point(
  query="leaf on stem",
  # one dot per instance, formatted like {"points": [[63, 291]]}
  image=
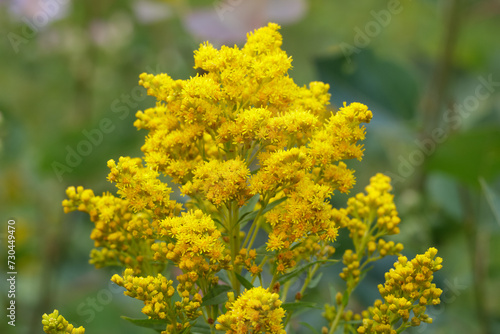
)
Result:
{"points": [[156, 324], [300, 270], [216, 296], [244, 281], [295, 306]]}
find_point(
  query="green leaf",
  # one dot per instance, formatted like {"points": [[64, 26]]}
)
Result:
{"points": [[314, 282], [156, 324], [217, 221], [300, 270], [201, 329], [345, 299], [223, 276], [333, 293], [250, 206], [262, 251], [247, 210], [313, 330], [493, 203], [244, 281], [216, 296], [294, 306]]}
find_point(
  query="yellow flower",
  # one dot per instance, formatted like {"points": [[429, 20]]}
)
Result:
{"points": [[242, 129], [256, 310], [55, 323], [306, 212], [155, 292], [220, 181], [407, 288], [376, 206], [142, 187], [120, 235], [194, 233], [279, 170], [338, 139]]}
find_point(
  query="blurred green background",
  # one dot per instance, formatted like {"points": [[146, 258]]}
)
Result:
{"points": [[429, 71]]}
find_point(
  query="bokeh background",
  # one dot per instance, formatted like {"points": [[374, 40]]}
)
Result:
{"points": [[429, 71]]}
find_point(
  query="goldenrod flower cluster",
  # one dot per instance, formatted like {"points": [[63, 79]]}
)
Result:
{"points": [[407, 289], [207, 132], [374, 210], [142, 188], [121, 237], [252, 152], [220, 182], [194, 244], [248, 259], [373, 215], [255, 311], [55, 323], [154, 291]]}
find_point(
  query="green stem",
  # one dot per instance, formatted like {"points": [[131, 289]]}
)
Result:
{"points": [[403, 326], [250, 233], [255, 225], [252, 158], [285, 290], [273, 281], [310, 276], [234, 242], [337, 319], [255, 232]]}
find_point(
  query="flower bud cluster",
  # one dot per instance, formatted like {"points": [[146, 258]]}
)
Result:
{"points": [[373, 215], [255, 311], [55, 323], [376, 206], [142, 188], [156, 293], [120, 235], [248, 259], [407, 290]]}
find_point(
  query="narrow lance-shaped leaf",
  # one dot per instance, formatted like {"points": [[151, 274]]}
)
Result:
{"points": [[300, 270], [244, 281], [216, 296]]}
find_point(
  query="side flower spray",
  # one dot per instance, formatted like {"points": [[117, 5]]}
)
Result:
{"points": [[254, 155]]}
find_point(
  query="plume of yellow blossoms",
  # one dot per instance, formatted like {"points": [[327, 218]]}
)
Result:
{"points": [[255, 311], [407, 289], [252, 152]]}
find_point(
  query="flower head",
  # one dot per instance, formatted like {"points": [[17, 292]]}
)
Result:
{"points": [[55, 323], [256, 311], [407, 288]]}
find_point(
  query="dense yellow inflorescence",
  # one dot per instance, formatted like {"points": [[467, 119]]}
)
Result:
{"points": [[407, 289], [156, 292], [250, 151], [193, 243], [373, 210], [255, 311], [121, 237], [369, 217], [55, 323]]}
